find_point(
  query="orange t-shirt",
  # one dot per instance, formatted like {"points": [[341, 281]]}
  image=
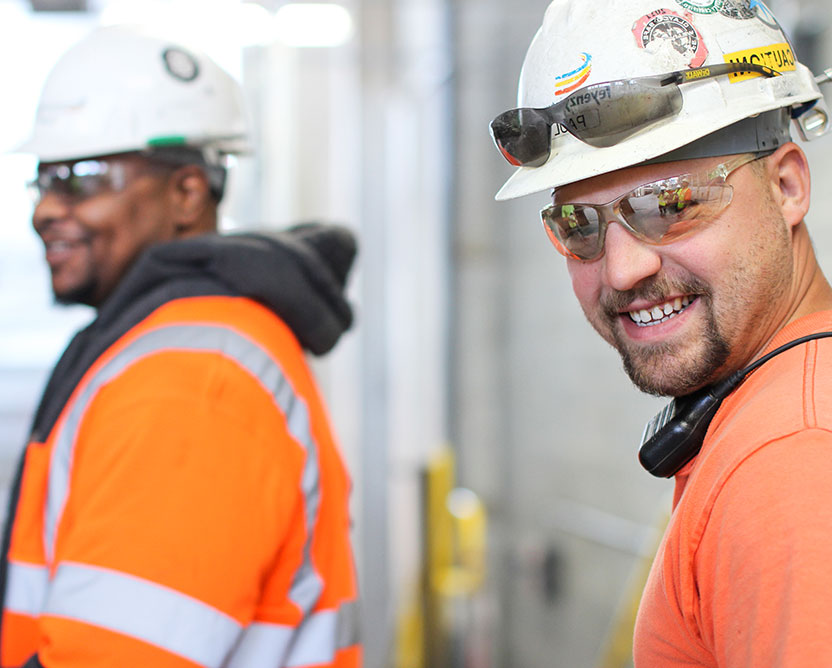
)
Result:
{"points": [[743, 576]]}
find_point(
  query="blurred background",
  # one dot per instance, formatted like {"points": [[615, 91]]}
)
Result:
{"points": [[501, 518]]}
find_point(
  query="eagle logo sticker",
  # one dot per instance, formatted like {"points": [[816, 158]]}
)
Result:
{"points": [[665, 28]]}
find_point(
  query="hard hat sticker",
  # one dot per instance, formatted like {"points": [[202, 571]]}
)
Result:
{"points": [[663, 27], [738, 9], [180, 64], [776, 56], [702, 6], [573, 80]]}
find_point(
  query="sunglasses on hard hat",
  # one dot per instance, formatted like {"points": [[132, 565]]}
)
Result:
{"points": [[602, 114], [656, 213]]}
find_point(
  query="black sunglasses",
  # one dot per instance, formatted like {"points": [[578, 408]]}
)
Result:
{"points": [[602, 114]]}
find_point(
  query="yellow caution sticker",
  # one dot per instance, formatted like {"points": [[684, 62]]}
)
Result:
{"points": [[776, 56]]}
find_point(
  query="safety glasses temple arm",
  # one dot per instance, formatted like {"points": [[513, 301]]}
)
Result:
{"points": [[711, 71]]}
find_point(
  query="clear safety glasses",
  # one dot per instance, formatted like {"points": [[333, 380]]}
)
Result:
{"points": [[93, 176], [79, 180], [602, 114], [656, 213]]}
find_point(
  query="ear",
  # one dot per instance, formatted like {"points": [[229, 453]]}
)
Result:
{"points": [[194, 209], [790, 182]]}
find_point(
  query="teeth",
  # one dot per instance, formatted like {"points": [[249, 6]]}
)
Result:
{"points": [[660, 313]]}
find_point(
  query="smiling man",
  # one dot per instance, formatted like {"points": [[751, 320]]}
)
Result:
{"points": [[678, 200], [182, 501]]}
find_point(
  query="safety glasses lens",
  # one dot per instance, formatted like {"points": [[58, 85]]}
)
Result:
{"points": [[76, 180], [523, 136], [575, 230], [657, 213], [606, 114]]}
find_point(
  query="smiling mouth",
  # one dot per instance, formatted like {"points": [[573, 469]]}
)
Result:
{"points": [[58, 246], [661, 312]]}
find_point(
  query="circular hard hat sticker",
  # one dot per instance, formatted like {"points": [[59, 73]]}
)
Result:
{"points": [[180, 64], [702, 6], [665, 28], [739, 9]]}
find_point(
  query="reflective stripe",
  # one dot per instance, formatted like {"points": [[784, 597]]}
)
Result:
{"points": [[26, 588], [144, 610], [262, 645], [314, 643], [307, 584]]}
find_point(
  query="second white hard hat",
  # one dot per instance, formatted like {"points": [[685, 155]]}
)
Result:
{"points": [[125, 88]]}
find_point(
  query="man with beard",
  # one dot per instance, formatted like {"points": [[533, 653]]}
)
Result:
{"points": [[693, 298], [181, 501]]}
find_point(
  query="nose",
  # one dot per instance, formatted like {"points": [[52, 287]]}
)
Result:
{"points": [[627, 260]]}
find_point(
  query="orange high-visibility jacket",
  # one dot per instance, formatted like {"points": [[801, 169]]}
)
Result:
{"points": [[188, 506]]}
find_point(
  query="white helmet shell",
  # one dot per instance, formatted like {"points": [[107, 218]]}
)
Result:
{"points": [[123, 88], [582, 43]]}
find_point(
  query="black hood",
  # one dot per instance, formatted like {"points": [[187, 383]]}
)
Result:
{"points": [[299, 273]]}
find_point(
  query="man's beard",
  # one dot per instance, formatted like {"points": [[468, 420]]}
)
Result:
{"points": [[676, 380], [661, 369]]}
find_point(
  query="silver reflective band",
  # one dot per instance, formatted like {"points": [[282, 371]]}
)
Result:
{"points": [[314, 643], [26, 589], [79, 594], [144, 610]]}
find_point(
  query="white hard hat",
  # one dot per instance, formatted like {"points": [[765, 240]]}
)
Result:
{"points": [[582, 43], [123, 88]]}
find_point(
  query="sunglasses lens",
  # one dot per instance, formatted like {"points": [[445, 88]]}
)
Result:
{"points": [[574, 230], [606, 114], [523, 136]]}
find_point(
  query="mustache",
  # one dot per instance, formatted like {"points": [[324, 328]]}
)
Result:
{"points": [[654, 289]]}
